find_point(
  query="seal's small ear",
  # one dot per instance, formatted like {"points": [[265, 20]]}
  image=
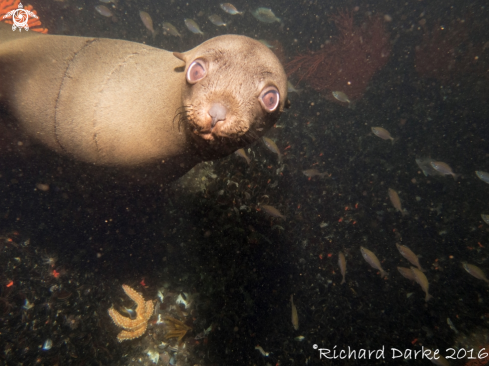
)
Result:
{"points": [[287, 103], [180, 56]]}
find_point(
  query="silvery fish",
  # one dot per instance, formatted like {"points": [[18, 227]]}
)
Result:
{"points": [[409, 255], [425, 166], [485, 218], [192, 26], [313, 173], [171, 29], [483, 176], [443, 168], [396, 201], [216, 20], [382, 133], [109, 1], [475, 271], [421, 279], [265, 15], [295, 317], [342, 97], [230, 9], [147, 21], [342, 264], [272, 147], [406, 272], [452, 327], [272, 211], [103, 10], [372, 259], [241, 153], [291, 89]]}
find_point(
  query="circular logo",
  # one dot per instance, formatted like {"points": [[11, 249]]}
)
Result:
{"points": [[20, 17]]}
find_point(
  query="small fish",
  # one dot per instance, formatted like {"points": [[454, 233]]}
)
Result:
{"points": [[171, 29], [485, 218], [265, 15], [372, 259], [342, 97], [452, 327], [272, 147], [272, 211], [192, 26], [342, 264], [382, 133], [241, 153], [425, 166], [406, 272], [47, 345], [291, 88], [475, 271], [147, 21], [262, 351], [409, 255], [421, 279], [265, 43], [109, 1], [103, 10], [299, 338], [396, 201], [443, 168], [216, 20], [230, 9], [295, 317], [313, 173], [483, 176]]}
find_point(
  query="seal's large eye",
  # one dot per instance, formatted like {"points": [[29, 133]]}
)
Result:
{"points": [[196, 72], [270, 98]]}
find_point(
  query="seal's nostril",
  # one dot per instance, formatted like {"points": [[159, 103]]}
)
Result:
{"points": [[217, 113]]}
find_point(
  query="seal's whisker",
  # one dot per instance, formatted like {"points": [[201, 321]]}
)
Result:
{"points": [[182, 115]]}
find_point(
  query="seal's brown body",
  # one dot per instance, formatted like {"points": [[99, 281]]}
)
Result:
{"points": [[104, 102]]}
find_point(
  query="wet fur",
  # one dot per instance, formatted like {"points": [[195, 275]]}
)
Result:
{"points": [[124, 105]]}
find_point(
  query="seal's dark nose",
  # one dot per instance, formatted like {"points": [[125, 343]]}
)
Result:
{"points": [[217, 113]]}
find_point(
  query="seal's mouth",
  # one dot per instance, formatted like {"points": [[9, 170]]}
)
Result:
{"points": [[212, 122], [216, 128], [213, 132]]}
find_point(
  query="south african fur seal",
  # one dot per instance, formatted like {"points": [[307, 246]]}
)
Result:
{"points": [[122, 104]]}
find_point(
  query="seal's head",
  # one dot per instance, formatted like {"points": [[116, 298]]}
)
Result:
{"points": [[236, 89]]}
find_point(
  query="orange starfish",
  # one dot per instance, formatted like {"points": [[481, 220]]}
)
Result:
{"points": [[133, 328]]}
